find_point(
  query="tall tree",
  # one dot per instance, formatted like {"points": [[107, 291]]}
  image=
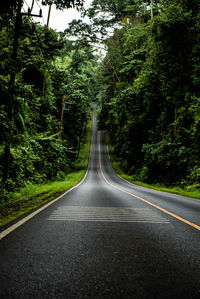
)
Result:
{"points": [[147, 107]]}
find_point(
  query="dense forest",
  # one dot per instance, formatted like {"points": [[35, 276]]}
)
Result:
{"points": [[149, 88], [46, 91], [147, 85]]}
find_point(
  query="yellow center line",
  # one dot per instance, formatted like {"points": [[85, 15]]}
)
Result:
{"points": [[140, 198]]}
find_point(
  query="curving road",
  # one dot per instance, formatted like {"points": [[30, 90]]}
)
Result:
{"points": [[106, 238]]}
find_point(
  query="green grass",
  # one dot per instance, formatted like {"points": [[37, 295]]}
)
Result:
{"points": [[34, 195], [175, 190]]}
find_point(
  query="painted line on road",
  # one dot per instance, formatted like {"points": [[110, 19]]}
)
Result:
{"points": [[140, 198], [25, 219], [106, 214]]}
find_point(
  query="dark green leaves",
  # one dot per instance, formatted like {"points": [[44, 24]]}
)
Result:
{"points": [[61, 4], [148, 88]]}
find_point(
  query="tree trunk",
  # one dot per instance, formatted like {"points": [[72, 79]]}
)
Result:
{"points": [[151, 9], [47, 26], [7, 153], [175, 123]]}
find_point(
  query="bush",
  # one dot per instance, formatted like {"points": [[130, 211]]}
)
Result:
{"points": [[165, 161]]}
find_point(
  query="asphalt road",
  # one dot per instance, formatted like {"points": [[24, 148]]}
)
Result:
{"points": [[107, 238]]}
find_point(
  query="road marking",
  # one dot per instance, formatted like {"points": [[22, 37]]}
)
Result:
{"points": [[106, 214], [140, 198], [25, 219]]}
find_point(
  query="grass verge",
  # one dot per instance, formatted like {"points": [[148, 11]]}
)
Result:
{"points": [[34, 195], [175, 190]]}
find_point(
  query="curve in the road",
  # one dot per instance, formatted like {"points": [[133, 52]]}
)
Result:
{"points": [[140, 198]]}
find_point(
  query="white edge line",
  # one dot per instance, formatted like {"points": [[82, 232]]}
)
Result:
{"points": [[25, 219]]}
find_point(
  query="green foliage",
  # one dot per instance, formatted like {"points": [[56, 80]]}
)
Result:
{"points": [[61, 4], [39, 140], [148, 92], [31, 196], [190, 190]]}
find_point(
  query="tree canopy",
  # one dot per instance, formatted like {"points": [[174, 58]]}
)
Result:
{"points": [[147, 86], [148, 90], [45, 100]]}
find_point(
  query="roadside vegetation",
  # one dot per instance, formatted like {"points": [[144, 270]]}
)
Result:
{"points": [[116, 162], [32, 196], [149, 91], [46, 93], [146, 82]]}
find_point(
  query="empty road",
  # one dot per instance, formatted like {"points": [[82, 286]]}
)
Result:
{"points": [[107, 238]]}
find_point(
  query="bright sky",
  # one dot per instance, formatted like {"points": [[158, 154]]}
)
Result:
{"points": [[59, 19]]}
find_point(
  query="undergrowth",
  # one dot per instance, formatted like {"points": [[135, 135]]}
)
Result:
{"points": [[188, 191], [33, 196]]}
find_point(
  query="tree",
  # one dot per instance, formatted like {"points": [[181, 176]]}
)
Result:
{"points": [[147, 107], [30, 121]]}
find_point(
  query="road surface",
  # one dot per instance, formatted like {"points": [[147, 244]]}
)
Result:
{"points": [[107, 238]]}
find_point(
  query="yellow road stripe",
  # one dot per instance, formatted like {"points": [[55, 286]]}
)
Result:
{"points": [[142, 199]]}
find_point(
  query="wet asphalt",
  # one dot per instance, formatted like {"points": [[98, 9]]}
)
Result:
{"points": [[101, 242]]}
